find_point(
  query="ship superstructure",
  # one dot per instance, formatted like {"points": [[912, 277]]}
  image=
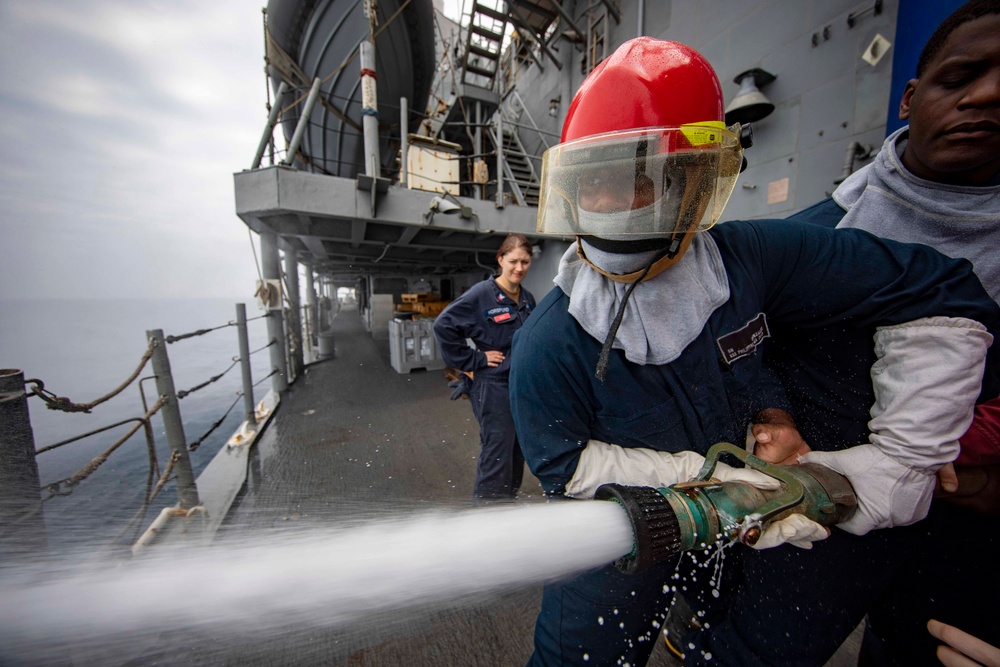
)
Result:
{"points": [[453, 153]]}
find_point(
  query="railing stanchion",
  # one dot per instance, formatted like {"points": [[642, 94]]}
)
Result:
{"points": [[241, 332], [270, 265], [187, 492], [297, 356]]}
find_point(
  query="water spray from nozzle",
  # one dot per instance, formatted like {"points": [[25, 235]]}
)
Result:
{"points": [[694, 515]]}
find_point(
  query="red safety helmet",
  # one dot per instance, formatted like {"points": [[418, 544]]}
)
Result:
{"points": [[645, 152], [646, 82]]}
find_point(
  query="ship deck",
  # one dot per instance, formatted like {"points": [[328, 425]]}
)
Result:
{"points": [[353, 433]]}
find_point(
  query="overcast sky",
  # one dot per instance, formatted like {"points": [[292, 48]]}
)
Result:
{"points": [[123, 122]]}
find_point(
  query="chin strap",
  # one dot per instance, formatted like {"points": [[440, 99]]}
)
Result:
{"points": [[673, 253], [657, 267]]}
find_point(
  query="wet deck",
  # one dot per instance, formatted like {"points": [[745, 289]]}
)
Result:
{"points": [[355, 433]]}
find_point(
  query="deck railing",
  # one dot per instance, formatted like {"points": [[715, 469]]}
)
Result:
{"points": [[23, 495]]}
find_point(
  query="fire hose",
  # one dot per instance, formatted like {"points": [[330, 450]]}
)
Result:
{"points": [[696, 514]]}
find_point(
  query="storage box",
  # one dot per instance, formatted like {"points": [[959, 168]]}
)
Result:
{"points": [[433, 165], [412, 345]]}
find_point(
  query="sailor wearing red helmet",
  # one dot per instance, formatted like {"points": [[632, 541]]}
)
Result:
{"points": [[649, 350]]}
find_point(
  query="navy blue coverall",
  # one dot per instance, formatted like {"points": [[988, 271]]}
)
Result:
{"points": [[950, 573], [796, 606], [487, 316]]}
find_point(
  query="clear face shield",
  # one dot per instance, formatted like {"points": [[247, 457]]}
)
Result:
{"points": [[636, 184]]}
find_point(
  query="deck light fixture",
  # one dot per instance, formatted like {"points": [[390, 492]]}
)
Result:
{"points": [[750, 105], [447, 204]]}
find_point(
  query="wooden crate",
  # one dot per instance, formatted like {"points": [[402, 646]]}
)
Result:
{"points": [[432, 308], [420, 298]]}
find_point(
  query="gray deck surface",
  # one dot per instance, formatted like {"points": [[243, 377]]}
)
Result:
{"points": [[352, 434]]}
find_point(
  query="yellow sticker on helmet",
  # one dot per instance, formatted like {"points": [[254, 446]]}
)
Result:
{"points": [[702, 134]]}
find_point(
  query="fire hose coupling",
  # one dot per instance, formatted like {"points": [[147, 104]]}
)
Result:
{"points": [[657, 531], [696, 514]]}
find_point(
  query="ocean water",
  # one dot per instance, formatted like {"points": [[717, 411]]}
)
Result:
{"points": [[83, 349]]}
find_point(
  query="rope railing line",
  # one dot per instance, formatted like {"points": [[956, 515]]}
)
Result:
{"points": [[184, 393], [151, 474], [199, 332], [165, 477], [197, 443], [274, 372], [53, 402], [62, 443], [150, 494], [273, 342], [65, 486]]}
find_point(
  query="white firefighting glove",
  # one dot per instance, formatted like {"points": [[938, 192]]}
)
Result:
{"points": [[797, 530], [603, 463], [926, 380], [889, 493]]}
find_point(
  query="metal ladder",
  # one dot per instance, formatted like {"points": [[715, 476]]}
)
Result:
{"points": [[519, 170], [484, 42]]}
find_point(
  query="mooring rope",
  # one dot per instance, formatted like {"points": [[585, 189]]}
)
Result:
{"points": [[64, 487], [53, 402], [165, 477]]}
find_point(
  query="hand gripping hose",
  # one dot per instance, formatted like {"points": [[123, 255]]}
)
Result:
{"points": [[696, 514]]}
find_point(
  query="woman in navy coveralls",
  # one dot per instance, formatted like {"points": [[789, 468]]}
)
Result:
{"points": [[488, 314]]}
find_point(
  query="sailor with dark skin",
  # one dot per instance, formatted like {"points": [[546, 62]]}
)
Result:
{"points": [[954, 109], [949, 156]]}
